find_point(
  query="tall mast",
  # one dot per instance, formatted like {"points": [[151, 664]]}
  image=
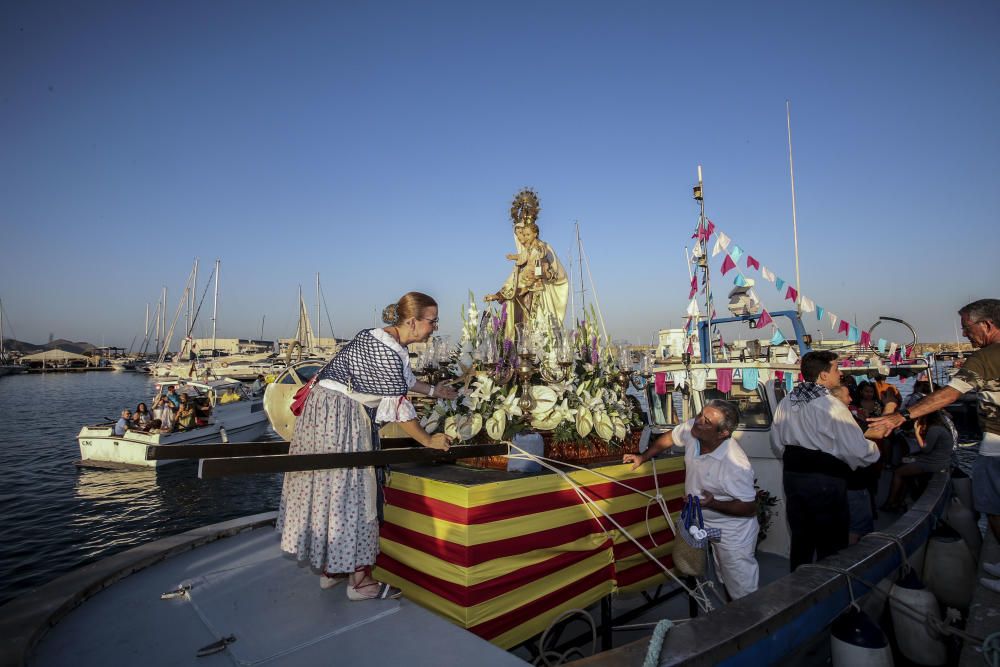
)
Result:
{"points": [[319, 320], [2, 355], [699, 195], [215, 305], [583, 292], [795, 226], [192, 296], [163, 321]]}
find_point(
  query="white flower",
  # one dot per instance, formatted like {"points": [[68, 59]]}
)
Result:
{"points": [[584, 421], [468, 426], [496, 425]]}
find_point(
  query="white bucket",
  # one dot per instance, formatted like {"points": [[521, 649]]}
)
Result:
{"points": [[856, 641]]}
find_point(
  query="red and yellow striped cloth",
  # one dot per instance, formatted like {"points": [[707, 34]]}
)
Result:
{"points": [[503, 559]]}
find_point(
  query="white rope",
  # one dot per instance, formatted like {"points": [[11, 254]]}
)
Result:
{"points": [[697, 593]]}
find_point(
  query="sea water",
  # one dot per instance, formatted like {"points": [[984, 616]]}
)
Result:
{"points": [[57, 517]]}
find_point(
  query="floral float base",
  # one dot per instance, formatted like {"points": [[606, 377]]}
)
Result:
{"points": [[593, 450]]}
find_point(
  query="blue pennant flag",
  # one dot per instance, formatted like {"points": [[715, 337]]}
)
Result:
{"points": [[736, 252], [819, 312], [740, 280], [882, 342], [778, 338], [853, 334], [789, 382], [779, 283]]}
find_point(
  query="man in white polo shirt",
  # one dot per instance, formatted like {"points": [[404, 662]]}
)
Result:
{"points": [[717, 470]]}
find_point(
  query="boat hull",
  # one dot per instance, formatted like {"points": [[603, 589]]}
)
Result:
{"points": [[99, 447]]}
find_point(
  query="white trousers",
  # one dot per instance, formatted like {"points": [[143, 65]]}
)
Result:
{"points": [[737, 567]]}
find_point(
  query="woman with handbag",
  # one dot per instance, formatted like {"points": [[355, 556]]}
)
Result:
{"points": [[330, 518], [717, 471]]}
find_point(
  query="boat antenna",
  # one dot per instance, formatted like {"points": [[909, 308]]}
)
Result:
{"points": [[699, 195], [795, 226]]}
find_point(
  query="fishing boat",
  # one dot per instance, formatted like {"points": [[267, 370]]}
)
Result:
{"points": [[234, 415]]}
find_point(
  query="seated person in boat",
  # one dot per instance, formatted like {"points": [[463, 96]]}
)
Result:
{"points": [[172, 396], [163, 410], [142, 417], [718, 470], [202, 410], [186, 414], [934, 442], [887, 394], [124, 422]]}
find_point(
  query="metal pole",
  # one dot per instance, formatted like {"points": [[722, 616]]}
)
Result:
{"points": [[215, 306], [703, 242], [319, 321], [583, 292], [795, 226]]}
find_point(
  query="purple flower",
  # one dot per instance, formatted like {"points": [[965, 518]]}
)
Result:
{"points": [[593, 350], [503, 314], [507, 344], [496, 324]]}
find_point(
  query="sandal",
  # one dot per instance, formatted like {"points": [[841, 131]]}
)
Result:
{"points": [[373, 590], [327, 581]]}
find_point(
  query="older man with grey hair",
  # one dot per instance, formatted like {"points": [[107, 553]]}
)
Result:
{"points": [[979, 374], [718, 470]]}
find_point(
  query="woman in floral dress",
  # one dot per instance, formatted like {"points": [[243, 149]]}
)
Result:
{"points": [[329, 518]]}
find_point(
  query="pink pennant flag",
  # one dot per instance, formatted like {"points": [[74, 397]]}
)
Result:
{"points": [[866, 339], [764, 319], [909, 351], [690, 348], [711, 228], [751, 262], [779, 376], [728, 265], [792, 294], [694, 286], [660, 383], [844, 327]]}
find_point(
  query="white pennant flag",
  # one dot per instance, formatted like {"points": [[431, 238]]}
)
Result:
{"points": [[692, 308], [833, 320], [717, 248], [723, 240], [807, 304], [792, 358], [768, 274], [892, 349]]}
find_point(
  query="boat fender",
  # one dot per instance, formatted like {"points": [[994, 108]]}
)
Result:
{"points": [[950, 569], [961, 518], [857, 641], [910, 606], [961, 484], [223, 435]]}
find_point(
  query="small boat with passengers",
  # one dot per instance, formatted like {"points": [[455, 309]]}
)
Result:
{"points": [[229, 412]]}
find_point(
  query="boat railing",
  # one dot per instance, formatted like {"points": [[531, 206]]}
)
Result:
{"points": [[769, 625]]}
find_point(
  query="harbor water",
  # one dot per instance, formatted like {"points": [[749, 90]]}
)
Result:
{"points": [[57, 517]]}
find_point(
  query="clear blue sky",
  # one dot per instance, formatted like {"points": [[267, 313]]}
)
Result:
{"points": [[380, 144]]}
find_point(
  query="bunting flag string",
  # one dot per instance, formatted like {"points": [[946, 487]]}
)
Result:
{"points": [[694, 286], [733, 254], [778, 338]]}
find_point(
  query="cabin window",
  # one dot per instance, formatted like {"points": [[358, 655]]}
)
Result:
{"points": [[752, 404], [664, 409]]}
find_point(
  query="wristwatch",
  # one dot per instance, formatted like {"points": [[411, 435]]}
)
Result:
{"points": [[904, 413]]}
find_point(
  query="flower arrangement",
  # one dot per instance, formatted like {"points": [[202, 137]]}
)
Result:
{"points": [[766, 502], [570, 383]]}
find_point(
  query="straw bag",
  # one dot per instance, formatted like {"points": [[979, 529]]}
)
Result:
{"points": [[690, 551], [299, 399]]}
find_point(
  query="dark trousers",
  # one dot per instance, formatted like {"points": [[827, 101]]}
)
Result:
{"points": [[818, 518]]}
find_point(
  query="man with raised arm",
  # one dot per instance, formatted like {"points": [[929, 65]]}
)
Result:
{"points": [[981, 374], [821, 444], [717, 470]]}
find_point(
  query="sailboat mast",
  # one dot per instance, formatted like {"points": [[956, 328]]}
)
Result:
{"points": [[319, 320], [215, 305], [579, 254], [795, 226], [2, 355], [163, 322], [699, 195], [193, 296]]}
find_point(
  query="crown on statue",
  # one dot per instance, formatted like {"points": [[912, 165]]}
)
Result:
{"points": [[525, 208]]}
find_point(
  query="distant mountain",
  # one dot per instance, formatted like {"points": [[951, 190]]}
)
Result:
{"points": [[61, 344]]}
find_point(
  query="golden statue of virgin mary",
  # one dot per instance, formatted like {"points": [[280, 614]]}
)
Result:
{"points": [[537, 288]]}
